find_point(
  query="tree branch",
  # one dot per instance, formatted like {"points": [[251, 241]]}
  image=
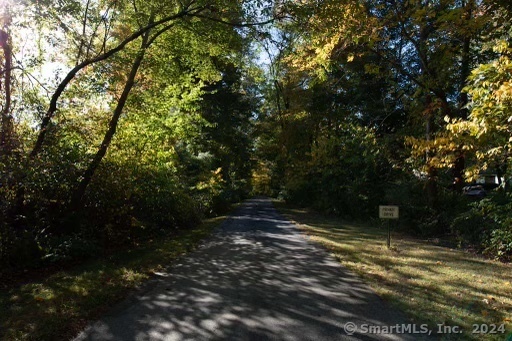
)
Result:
{"points": [[71, 74], [233, 24]]}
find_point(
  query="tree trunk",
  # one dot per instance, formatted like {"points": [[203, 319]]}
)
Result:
{"points": [[431, 186], [463, 112], [7, 128], [458, 171], [52, 109], [465, 62], [77, 197], [7, 138]]}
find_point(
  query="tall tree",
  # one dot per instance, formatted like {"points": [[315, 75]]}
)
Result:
{"points": [[194, 72], [426, 47], [485, 132], [7, 126]]}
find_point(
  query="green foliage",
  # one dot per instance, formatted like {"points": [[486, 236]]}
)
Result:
{"points": [[69, 248], [499, 244], [19, 248], [343, 174], [388, 102], [353, 116], [486, 132], [416, 216], [473, 224], [488, 225], [180, 147]]}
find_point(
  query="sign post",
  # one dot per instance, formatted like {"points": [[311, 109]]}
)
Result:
{"points": [[388, 212]]}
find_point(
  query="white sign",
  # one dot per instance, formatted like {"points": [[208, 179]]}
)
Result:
{"points": [[388, 212]]}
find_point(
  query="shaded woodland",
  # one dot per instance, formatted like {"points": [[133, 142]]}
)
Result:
{"points": [[128, 120]]}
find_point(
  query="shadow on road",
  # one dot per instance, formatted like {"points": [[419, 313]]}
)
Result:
{"points": [[257, 278]]}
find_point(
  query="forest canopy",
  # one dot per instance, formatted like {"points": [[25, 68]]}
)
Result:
{"points": [[128, 119]]}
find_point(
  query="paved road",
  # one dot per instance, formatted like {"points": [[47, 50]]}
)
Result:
{"points": [[257, 278]]}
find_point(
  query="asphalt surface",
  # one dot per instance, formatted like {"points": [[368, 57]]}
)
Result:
{"points": [[256, 278]]}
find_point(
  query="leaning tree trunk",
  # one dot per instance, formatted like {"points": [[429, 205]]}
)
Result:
{"points": [[52, 109], [77, 197]]}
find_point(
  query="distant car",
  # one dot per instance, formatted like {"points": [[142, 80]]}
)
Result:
{"points": [[474, 191]]}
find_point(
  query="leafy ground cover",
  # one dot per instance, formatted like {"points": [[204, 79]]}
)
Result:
{"points": [[431, 283], [57, 307]]}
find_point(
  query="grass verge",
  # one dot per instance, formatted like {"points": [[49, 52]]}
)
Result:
{"points": [[432, 284], [59, 306]]}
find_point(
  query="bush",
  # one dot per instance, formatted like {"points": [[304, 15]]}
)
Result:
{"points": [[416, 215], [499, 244], [70, 248], [471, 226], [19, 250], [488, 225], [342, 174]]}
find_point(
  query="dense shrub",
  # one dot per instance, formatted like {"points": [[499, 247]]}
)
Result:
{"points": [[416, 214], [69, 248], [498, 243], [343, 175], [488, 225], [124, 203]]}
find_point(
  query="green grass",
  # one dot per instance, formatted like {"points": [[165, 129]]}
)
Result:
{"points": [[432, 284], [58, 307]]}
